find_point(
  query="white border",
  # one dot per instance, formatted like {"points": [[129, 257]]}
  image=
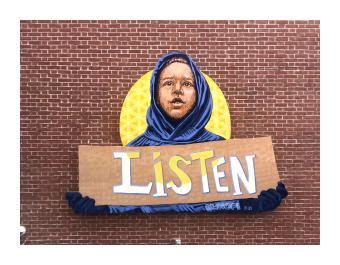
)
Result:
{"points": [[13, 11]]}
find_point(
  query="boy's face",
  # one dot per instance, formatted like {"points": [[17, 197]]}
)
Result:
{"points": [[176, 90]]}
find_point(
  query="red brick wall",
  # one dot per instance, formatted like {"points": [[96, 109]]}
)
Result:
{"points": [[75, 76]]}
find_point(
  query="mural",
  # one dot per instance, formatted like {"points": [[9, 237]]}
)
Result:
{"points": [[178, 111]]}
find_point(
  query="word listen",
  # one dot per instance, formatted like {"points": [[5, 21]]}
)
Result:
{"points": [[237, 174]]}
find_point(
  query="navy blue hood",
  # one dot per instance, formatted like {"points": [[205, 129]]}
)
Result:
{"points": [[161, 129]]}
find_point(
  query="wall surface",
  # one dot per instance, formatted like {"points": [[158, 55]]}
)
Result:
{"points": [[75, 76]]}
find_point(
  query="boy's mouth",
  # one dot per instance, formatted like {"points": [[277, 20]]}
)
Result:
{"points": [[177, 102]]}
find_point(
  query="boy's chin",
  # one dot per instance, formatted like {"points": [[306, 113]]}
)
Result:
{"points": [[176, 114]]}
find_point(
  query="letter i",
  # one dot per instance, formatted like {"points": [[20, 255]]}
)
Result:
{"points": [[158, 169]]}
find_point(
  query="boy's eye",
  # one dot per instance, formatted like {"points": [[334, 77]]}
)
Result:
{"points": [[168, 83], [187, 84]]}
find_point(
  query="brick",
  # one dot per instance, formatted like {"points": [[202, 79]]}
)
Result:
{"points": [[75, 75]]}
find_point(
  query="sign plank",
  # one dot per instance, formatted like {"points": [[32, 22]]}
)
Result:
{"points": [[202, 172]]}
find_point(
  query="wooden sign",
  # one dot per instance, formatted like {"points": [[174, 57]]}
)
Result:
{"points": [[203, 172]]}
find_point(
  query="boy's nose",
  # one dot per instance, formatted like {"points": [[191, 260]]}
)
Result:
{"points": [[178, 89]]}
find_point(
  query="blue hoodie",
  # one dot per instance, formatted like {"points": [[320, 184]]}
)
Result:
{"points": [[161, 129]]}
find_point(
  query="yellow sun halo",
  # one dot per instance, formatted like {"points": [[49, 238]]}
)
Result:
{"points": [[133, 114]]}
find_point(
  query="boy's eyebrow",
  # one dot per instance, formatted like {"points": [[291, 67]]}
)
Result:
{"points": [[167, 77]]}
